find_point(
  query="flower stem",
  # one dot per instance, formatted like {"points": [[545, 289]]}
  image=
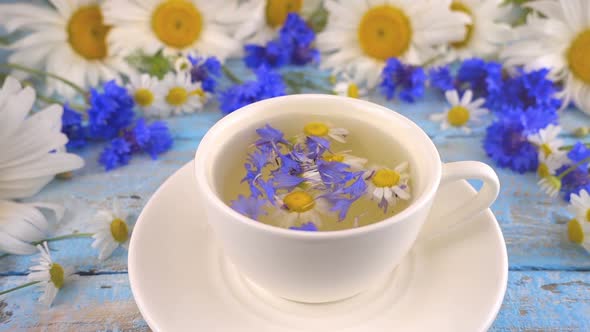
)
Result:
{"points": [[49, 100], [64, 237], [232, 77], [44, 73], [573, 167], [19, 287]]}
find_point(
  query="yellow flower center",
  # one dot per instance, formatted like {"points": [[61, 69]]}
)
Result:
{"points": [[316, 129], [546, 149], [177, 96], [578, 56], [384, 32], [56, 275], [143, 97], [299, 201], [177, 23], [460, 7], [333, 157], [543, 170], [385, 178], [458, 116], [353, 90], [575, 232], [198, 92], [87, 33], [119, 230], [277, 11], [588, 215]]}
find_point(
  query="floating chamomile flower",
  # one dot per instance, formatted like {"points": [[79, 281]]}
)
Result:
{"points": [[580, 206], [559, 39], [484, 34], [180, 95], [298, 207], [388, 185], [547, 140], [361, 35], [266, 17], [147, 92], [112, 231], [579, 233], [462, 111], [348, 88], [174, 26], [51, 276], [325, 130], [355, 163], [67, 38]]}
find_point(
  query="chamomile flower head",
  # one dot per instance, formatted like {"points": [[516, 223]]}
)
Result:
{"points": [[147, 92], [361, 35], [50, 275], [325, 130], [484, 34], [67, 38], [266, 17], [548, 165], [551, 185], [348, 88], [182, 64], [557, 38], [298, 207], [180, 95], [387, 186], [174, 26], [547, 141], [355, 163], [580, 206], [111, 231], [579, 232], [462, 111]]}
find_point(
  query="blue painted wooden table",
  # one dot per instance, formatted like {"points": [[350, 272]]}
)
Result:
{"points": [[549, 283]]}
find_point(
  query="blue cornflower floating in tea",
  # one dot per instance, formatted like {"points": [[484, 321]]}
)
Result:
{"points": [[312, 180]]}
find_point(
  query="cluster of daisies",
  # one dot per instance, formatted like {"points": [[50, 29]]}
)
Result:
{"points": [[311, 178]]}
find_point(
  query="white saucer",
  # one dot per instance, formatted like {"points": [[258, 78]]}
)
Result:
{"points": [[182, 282]]}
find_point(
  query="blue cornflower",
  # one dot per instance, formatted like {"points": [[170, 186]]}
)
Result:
{"points": [[299, 36], [273, 55], [251, 207], [579, 152], [154, 139], [72, 127], [116, 154], [407, 78], [316, 146], [308, 226], [534, 119], [575, 181], [506, 143], [268, 84], [270, 137], [441, 78], [480, 76], [206, 71], [110, 111]]}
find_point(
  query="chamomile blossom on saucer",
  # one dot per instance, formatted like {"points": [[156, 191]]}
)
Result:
{"points": [[147, 92], [174, 26], [558, 38], [67, 38], [266, 17], [361, 36], [355, 163], [111, 231], [180, 95], [348, 88], [547, 141], [387, 186], [484, 34], [462, 111], [299, 207], [50, 275], [580, 206], [325, 130]]}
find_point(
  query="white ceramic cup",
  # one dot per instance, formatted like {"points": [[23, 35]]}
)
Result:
{"points": [[317, 267]]}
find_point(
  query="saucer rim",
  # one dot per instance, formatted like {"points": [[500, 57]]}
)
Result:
{"points": [[188, 167]]}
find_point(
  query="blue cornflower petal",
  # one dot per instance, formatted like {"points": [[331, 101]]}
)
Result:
{"points": [[154, 139], [116, 154], [273, 55], [269, 136], [286, 181], [268, 84], [308, 226], [408, 79], [579, 152], [73, 128], [441, 78], [251, 207], [334, 173], [316, 146], [480, 76], [110, 111], [575, 181], [206, 71]]}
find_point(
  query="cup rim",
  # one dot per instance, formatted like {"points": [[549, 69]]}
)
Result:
{"points": [[205, 187]]}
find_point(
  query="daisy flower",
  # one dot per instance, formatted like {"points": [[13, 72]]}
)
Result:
{"points": [[67, 38], [180, 95], [298, 207], [348, 88], [548, 165], [112, 231], [266, 17], [558, 39], [50, 275], [355, 163], [547, 141], [387, 186], [174, 26], [579, 232], [361, 35], [325, 130], [580, 205], [147, 92], [462, 111], [484, 34], [550, 184]]}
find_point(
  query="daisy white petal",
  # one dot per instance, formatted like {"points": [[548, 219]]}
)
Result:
{"points": [[111, 231], [462, 112], [50, 275]]}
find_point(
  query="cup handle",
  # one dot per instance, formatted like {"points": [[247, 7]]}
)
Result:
{"points": [[467, 170]]}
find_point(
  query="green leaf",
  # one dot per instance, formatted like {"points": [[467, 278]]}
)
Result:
{"points": [[318, 19], [155, 65]]}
